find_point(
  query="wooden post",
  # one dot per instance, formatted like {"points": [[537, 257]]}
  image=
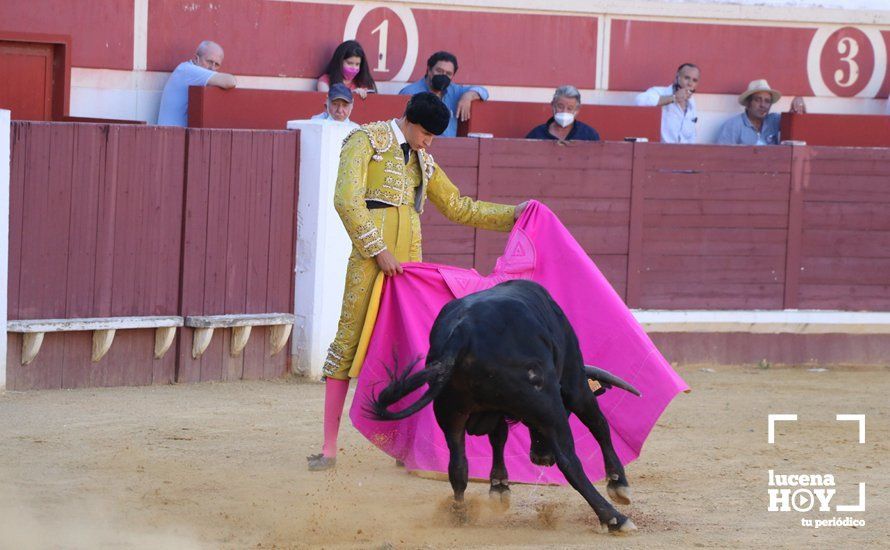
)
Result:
{"points": [[483, 190], [635, 231], [800, 174], [4, 237]]}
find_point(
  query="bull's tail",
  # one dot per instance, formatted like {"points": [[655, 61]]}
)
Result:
{"points": [[436, 375], [608, 380]]}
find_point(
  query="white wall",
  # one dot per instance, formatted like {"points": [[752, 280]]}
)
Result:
{"points": [[323, 245], [4, 237]]}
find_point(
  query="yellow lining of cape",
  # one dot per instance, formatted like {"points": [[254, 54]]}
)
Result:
{"points": [[368, 327]]}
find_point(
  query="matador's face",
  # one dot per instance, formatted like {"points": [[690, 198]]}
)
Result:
{"points": [[417, 136]]}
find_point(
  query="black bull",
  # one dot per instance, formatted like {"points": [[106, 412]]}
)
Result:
{"points": [[510, 352]]}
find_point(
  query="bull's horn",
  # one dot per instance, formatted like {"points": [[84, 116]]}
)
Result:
{"points": [[607, 378]]}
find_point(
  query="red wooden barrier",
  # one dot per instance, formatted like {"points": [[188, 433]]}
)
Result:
{"points": [[271, 109], [845, 249], [513, 119], [96, 230], [689, 227], [587, 185], [837, 130], [239, 252], [444, 241], [95, 220], [714, 227]]}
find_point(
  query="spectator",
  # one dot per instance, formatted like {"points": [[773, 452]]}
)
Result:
{"points": [[678, 115], [440, 70], [756, 126], [562, 126], [338, 106], [198, 71], [349, 66]]}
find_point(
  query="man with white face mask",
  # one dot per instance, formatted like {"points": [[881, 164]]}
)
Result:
{"points": [[563, 125]]}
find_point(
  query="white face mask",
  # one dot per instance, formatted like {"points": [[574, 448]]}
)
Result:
{"points": [[564, 119]]}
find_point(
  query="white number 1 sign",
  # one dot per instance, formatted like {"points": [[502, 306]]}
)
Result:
{"points": [[402, 15], [383, 29]]}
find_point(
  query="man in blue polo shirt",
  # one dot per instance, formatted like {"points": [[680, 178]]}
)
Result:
{"points": [[200, 70], [563, 125], [441, 67]]}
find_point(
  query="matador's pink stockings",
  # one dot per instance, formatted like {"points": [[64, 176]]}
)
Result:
{"points": [[334, 398]]}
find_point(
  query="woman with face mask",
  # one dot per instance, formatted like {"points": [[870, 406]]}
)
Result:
{"points": [[349, 66], [563, 125]]}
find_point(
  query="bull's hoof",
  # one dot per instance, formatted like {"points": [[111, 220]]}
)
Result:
{"points": [[547, 459], [620, 494], [620, 525]]}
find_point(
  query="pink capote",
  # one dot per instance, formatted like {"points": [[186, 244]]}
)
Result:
{"points": [[539, 248]]}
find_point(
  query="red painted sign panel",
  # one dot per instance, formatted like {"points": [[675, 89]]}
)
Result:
{"points": [[826, 61], [647, 53], [259, 37], [512, 49], [101, 32], [297, 39]]}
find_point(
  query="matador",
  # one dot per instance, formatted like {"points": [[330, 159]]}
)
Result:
{"points": [[384, 178]]}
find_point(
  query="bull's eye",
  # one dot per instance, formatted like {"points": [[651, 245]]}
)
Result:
{"points": [[535, 378]]}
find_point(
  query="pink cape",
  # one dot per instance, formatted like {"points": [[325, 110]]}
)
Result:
{"points": [[539, 248]]}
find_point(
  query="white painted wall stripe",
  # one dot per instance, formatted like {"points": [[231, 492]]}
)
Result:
{"points": [[140, 35], [602, 23], [4, 237], [607, 51], [765, 322]]}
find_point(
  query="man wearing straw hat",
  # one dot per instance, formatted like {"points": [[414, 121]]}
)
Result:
{"points": [[756, 126]]}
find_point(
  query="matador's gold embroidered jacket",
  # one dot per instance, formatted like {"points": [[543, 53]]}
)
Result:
{"points": [[372, 168]]}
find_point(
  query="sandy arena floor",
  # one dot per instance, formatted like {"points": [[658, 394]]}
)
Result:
{"points": [[223, 465]]}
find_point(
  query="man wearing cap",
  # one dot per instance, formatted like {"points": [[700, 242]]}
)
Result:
{"points": [[384, 178], [756, 126], [338, 106]]}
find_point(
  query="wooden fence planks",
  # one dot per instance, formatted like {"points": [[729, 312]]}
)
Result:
{"points": [[446, 242], [845, 242], [714, 226], [239, 253], [110, 220]]}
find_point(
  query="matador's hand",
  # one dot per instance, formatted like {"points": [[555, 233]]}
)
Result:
{"points": [[388, 263]]}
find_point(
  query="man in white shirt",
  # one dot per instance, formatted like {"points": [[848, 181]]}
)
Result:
{"points": [[678, 116], [338, 106], [201, 70]]}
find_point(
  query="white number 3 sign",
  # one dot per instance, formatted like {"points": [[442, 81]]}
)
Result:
{"points": [[846, 62]]}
